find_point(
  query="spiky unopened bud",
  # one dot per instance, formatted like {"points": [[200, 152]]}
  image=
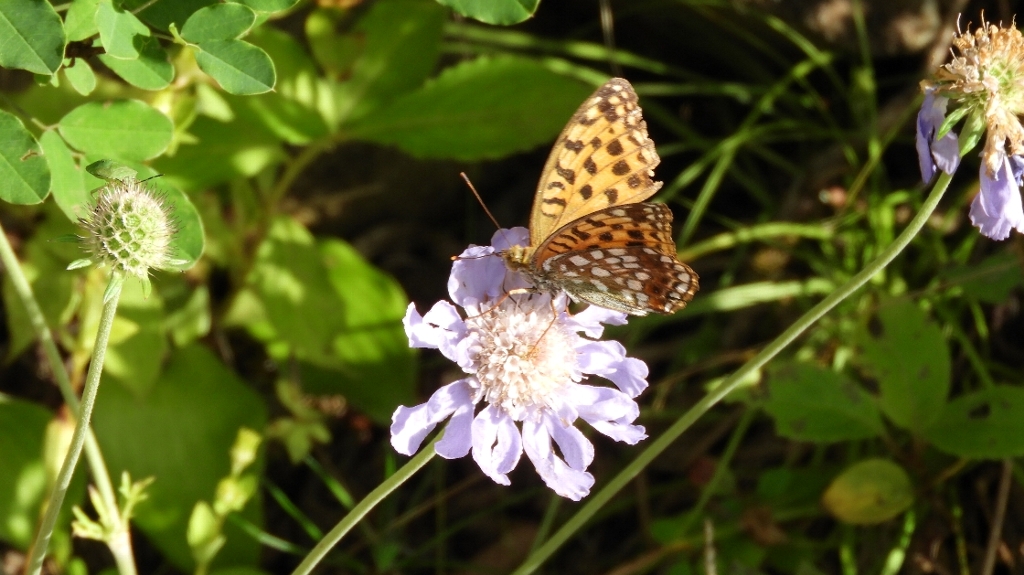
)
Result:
{"points": [[129, 229]]}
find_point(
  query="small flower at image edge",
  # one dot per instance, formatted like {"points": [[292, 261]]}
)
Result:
{"points": [[997, 207], [525, 363]]}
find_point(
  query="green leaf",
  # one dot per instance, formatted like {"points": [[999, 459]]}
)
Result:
{"points": [[31, 36], [486, 108], [293, 110], [269, 5], [908, 355], [67, 178], [43, 260], [810, 403], [869, 492], [121, 33], [225, 151], [150, 71], [23, 476], [137, 343], [398, 44], [239, 67], [24, 175], [290, 279], [81, 76], [985, 424], [162, 14], [123, 129], [181, 433], [372, 345], [80, 20], [189, 239], [218, 22], [990, 280], [499, 12]]}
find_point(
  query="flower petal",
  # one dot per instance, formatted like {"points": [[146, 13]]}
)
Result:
{"points": [[497, 444], [410, 425], [997, 207], [943, 153], [476, 277], [590, 320], [609, 411], [608, 360], [564, 480], [440, 328], [458, 436]]}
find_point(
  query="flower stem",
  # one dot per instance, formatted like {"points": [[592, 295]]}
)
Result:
{"points": [[597, 501], [363, 507], [92, 384], [100, 475]]}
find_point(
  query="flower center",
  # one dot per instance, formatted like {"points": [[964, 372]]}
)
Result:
{"points": [[524, 356]]}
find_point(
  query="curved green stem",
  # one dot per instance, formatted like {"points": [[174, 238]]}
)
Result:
{"points": [[363, 507], [100, 474], [92, 384], [597, 501]]}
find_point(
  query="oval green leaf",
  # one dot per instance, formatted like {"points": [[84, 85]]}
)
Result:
{"points": [[67, 178], [80, 20], [270, 5], [983, 424], [24, 175], [81, 76], [499, 12], [218, 22], [810, 403], [869, 492], [121, 33], [239, 67], [124, 129], [31, 36], [189, 239], [150, 71], [486, 108], [909, 356]]}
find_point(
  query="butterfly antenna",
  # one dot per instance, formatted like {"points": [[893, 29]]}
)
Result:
{"points": [[479, 199]]}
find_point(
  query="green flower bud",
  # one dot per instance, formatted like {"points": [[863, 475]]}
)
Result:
{"points": [[129, 229]]}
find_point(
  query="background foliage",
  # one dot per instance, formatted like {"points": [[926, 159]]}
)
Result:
{"points": [[317, 146]]}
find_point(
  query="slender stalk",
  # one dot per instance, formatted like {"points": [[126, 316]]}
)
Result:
{"points": [[597, 501], [92, 384], [363, 507], [35, 314]]}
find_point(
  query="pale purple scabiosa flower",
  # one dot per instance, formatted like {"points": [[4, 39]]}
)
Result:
{"points": [[526, 361], [985, 84]]}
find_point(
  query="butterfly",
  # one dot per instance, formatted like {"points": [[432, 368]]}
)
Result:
{"points": [[591, 234]]}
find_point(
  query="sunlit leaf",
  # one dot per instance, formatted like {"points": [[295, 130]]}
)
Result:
{"points": [[486, 108], [239, 67], [31, 36], [181, 433], [500, 12], [150, 71], [218, 22], [121, 32], [24, 175], [124, 129]]}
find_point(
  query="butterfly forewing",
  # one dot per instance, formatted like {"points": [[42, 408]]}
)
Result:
{"points": [[622, 258], [602, 158]]}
